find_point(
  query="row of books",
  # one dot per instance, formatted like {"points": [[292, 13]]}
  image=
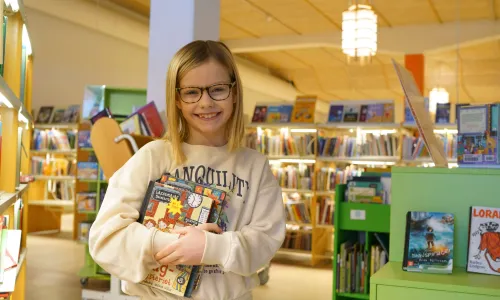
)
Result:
{"points": [[354, 263], [328, 178], [359, 112], [298, 240], [282, 144], [369, 188], [414, 147], [57, 115], [294, 176], [325, 209], [349, 146], [302, 111], [52, 139], [298, 212], [89, 170], [52, 166]]}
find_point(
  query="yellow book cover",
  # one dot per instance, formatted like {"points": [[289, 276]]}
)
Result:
{"points": [[304, 110], [165, 209]]}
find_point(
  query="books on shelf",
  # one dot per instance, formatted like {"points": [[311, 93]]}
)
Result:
{"points": [[297, 239], [84, 139], [282, 143], [294, 176], [53, 140], [360, 111], [325, 209], [297, 208], [369, 188], [52, 166], [86, 201], [483, 253], [328, 178], [368, 144], [414, 147], [55, 115], [429, 239]]}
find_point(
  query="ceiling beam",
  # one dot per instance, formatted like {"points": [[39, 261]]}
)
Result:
{"points": [[395, 40]]}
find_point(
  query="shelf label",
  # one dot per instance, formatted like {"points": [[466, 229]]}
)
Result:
{"points": [[357, 214]]}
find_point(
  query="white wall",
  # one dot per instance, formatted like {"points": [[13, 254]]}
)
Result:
{"points": [[68, 57]]}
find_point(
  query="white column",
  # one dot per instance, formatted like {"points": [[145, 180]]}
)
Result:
{"points": [[173, 24]]}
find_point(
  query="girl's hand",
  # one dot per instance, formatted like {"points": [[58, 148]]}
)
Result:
{"points": [[189, 248]]}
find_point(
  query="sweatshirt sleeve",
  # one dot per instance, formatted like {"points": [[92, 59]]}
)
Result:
{"points": [[245, 251], [117, 242]]}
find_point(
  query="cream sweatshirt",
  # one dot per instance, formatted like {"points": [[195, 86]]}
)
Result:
{"points": [[254, 228]]}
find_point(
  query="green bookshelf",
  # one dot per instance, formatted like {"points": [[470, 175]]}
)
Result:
{"points": [[352, 220], [445, 190]]}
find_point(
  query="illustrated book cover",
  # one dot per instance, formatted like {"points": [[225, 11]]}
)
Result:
{"points": [[304, 110], [217, 195], [429, 242], [477, 138], [166, 208], [484, 241]]}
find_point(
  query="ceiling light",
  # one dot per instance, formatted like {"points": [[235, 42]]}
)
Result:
{"points": [[359, 32], [437, 95]]}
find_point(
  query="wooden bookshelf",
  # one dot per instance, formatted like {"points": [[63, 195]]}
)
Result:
{"points": [[15, 108]]}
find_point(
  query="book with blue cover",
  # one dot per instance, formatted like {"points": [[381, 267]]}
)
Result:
{"points": [[429, 242]]}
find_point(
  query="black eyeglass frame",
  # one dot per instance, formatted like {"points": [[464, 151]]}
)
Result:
{"points": [[231, 85]]}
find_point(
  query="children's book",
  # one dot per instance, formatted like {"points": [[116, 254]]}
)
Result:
{"points": [[484, 241], [286, 113], [166, 208], [351, 113], [273, 114], [429, 242], [443, 113], [336, 113], [388, 116], [259, 114], [477, 138], [375, 113], [304, 110], [219, 196]]}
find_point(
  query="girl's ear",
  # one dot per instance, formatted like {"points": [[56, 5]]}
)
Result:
{"points": [[178, 104]]}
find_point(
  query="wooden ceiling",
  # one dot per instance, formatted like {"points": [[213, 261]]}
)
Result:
{"points": [[471, 71]]}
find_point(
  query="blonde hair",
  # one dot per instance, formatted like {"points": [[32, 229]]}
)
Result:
{"points": [[187, 58]]}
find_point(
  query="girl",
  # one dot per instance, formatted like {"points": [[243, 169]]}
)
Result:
{"points": [[205, 121]]}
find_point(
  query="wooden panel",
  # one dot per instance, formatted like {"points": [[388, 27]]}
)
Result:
{"points": [[301, 16], [229, 31], [276, 60], [139, 6], [245, 15], [317, 57], [468, 10], [9, 119], [13, 52], [404, 12]]}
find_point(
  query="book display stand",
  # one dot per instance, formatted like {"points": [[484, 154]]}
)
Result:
{"points": [[440, 190]]}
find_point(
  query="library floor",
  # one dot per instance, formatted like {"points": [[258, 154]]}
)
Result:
{"points": [[53, 263]]}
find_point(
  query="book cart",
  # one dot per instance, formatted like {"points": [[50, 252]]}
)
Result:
{"points": [[15, 137], [449, 190]]}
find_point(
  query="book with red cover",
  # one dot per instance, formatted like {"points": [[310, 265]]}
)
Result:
{"points": [[152, 118]]}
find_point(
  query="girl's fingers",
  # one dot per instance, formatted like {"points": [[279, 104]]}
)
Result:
{"points": [[166, 251], [172, 259]]}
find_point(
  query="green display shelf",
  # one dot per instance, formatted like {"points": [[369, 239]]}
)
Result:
{"points": [[354, 296], [364, 217], [437, 190]]}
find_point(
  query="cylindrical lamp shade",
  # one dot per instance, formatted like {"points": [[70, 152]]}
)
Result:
{"points": [[359, 32]]}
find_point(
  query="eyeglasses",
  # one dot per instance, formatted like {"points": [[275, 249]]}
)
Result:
{"points": [[217, 92]]}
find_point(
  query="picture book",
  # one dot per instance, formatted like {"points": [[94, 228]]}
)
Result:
{"points": [[477, 138], [166, 208], [304, 110], [58, 115], [443, 113], [336, 113], [72, 114], [219, 197], [457, 108], [429, 242], [273, 114], [484, 241], [375, 113], [363, 113], [388, 116], [44, 114], [351, 113], [286, 113], [259, 114], [152, 119]]}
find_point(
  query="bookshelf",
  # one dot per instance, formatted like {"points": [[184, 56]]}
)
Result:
{"points": [[440, 190], [53, 165], [15, 136], [332, 152]]}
